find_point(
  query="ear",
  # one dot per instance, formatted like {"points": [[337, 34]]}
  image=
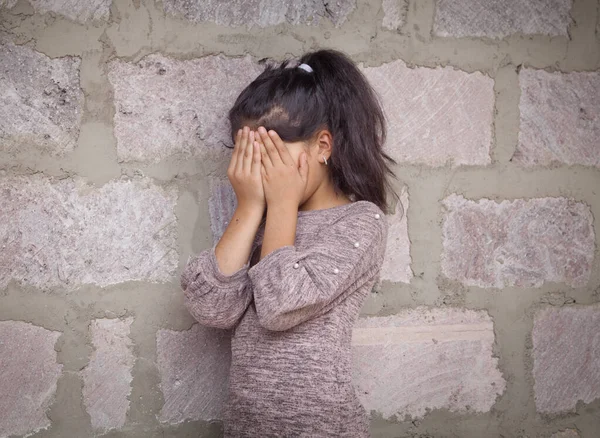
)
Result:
{"points": [[325, 142]]}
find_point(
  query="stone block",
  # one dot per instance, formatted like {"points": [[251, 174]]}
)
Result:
{"points": [[567, 433], [566, 357], [7, 4], [435, 116], [28, 377], [221, 205], [420, 359], [41, 102], [66, 233], [559, 118], [165, 106], [394, 13], [260, 13], [194, 373], [521, 243], [107, 378], [80, 11], [498, 19]]}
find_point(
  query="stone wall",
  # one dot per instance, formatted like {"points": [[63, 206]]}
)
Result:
{"points": [[112, 173]]}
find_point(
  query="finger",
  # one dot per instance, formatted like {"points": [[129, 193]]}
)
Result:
{"points": [[248, 153], [236, 146], [263, 173], [265, 158], [270, 147], [284, 153], [257, 158], [240, 154]]}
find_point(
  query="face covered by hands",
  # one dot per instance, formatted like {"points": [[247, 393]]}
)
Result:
{"points": [[244, 171], [283, 180]]}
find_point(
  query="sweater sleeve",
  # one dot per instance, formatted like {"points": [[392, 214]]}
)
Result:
{"points": [[291, 286], [213, 298]]}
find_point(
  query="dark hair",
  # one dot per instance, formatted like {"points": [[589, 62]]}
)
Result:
{"points": [[336, 96]]}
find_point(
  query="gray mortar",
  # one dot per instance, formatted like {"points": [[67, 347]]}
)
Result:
{"points": [[512, 309]]}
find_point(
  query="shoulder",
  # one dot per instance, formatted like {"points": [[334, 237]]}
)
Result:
{"points": [[364, 217], [365, 207]]}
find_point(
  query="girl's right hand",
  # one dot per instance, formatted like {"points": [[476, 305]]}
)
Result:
{"points": [[244, 171]]}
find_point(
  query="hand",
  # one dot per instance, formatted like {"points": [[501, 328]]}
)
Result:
{"points": [[244, 171], [283, 181]]}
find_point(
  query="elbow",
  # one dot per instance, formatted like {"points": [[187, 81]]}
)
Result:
{"points": [[190, 272], [278, 317], [185, 279], [274, 325], [217, 323], [270, 318], [212, 321], [275, 322]]}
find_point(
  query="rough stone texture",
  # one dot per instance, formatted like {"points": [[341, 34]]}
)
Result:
{"points": [[517, 243], [67, 233], [221, 205], [396, 264], [261, 13], [426, 358], [166, 106], [28, 376], [559, 118], [566, 357], [77, 10], [394, 13], [8, 3], [194, 373], [567, 433], [41, 102], [107, 378], [435, 115], [497, 19]]}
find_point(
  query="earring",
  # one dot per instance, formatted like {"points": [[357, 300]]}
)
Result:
{"points": [[325, 159]]}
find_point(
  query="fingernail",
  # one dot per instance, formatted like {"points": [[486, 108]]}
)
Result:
{"points": [[262, 130]]}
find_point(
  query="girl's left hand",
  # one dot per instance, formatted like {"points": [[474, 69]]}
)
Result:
{"points": [[283, 181]]}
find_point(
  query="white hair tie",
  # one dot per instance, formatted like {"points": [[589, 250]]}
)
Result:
{"points": [[305, 67]]}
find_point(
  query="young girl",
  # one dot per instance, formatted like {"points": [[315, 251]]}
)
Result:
{"points": [[302, 250]]}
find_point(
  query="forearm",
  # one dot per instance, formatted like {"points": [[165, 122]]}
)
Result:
{"points": [[233, 250], [280, 228]]}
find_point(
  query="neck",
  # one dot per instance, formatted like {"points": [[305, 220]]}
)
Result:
{"points": [[324, 197]]}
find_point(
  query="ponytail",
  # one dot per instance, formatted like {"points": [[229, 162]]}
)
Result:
{"points": [[357, 122]]}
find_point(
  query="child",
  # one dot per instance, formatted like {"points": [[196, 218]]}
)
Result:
{"points": [[299, 256]]}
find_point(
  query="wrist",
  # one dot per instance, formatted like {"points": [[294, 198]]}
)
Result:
{"points": [[283, 208], [250, 210]]}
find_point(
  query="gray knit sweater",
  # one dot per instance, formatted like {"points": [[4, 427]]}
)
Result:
{"points": [[292, 315]]}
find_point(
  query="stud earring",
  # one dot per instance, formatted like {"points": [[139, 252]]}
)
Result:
{"points": [[325, 159]]}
